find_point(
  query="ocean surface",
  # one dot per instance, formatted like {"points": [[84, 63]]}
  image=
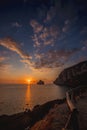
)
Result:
{"points": [[16, 98]]}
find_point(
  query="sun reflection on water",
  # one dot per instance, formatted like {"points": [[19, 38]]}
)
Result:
{"points": [[28, 95]]}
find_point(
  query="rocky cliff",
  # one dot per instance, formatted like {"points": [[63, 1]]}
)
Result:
{"points": [[73, 76]]}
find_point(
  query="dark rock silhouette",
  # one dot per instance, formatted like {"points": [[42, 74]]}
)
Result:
{"points": [[73, 76], [22, 120], [40, 82]]}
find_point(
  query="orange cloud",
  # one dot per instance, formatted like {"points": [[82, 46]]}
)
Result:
{"points": [[36, 26], [3, 65], [13, 46], [52, 59], [44, 35]]}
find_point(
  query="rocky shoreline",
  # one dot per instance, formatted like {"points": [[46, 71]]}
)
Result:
{"points": [[57, 117], [48, 116], [21, 121]]}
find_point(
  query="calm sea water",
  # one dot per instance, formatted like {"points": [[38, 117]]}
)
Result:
{"points": [[16, 98]]}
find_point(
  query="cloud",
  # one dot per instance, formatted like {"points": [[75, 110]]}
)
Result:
{"points": [[66, 22], [16, 24], [50, 14], [49, 35], [2, 59], [53, 58], [84, 30], [83, 42], [60, 10], [84, 47], [13, 46], [36, 40], [50, 27], [82, 58], [4, 66], [66, 26], [36, 26], [28, 63], [44, 35]]}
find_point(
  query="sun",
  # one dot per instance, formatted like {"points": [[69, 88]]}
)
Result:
{"points": [[28, 81]]}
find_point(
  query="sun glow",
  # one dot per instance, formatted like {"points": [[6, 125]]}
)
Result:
{"points": [[29, 81]]}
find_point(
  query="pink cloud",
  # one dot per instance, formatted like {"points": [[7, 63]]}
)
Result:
{"points": [[13, 46], [44, 35], [3, 65], [36, 26], [53, 58]]}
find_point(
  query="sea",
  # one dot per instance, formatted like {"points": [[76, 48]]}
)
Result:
{"points": [[15, 98]]}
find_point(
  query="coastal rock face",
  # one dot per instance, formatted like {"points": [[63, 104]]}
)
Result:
{"points": [[26, 119], [54, 120], [58, 116], [75, 75], [40, 82]]}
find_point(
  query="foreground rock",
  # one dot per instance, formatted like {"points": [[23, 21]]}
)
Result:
{"points": [[55, 120], [82, 108], [52, 115], [57, 116], [73, 76], [28, 118]]}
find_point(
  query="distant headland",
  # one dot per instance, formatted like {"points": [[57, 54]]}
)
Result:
{"points": [[73, 76]]}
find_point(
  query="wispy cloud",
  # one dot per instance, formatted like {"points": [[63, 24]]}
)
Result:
{"points": [[44, 35], [84, 30], [66, 26], [84, 43], [3, 65], [48, 36], [49, 30], [52, 58], [16, 24], [37, 27], [50, 14], [13, 46], [36, 40], [2, 59]]}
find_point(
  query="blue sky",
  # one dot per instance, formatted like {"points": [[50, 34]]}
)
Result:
{"points": [[40, 37]]}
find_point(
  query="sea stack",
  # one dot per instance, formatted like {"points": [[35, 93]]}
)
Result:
{"points": [[40, 82]]}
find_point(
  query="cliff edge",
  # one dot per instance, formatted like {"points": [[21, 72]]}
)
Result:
{"points": [[73, 76]]}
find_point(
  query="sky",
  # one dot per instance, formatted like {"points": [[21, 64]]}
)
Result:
{"points": [[39, 38]]}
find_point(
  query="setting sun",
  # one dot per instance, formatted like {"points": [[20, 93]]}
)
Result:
{"points": [[28, 81]]}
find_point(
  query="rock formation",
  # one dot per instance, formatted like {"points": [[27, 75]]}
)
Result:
{"points": [[40, 82], [73, 76]]}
